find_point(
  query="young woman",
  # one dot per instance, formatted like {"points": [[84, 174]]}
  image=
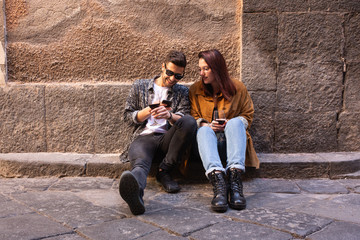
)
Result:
{"points": [[215, 93]]}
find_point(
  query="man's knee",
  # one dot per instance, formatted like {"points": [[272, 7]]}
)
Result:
{"points": [[188, 123]]}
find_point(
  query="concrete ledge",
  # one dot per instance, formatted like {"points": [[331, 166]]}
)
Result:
{"points": [[299, 165]]}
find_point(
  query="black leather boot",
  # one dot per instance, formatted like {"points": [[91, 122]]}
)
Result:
{"points": [[167, 182], [219, 202], [236, 199]]}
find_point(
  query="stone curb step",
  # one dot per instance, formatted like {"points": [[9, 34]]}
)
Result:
{"points": [[273, 165]]}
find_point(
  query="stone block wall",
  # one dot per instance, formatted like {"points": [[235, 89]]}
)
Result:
{"points": [[301, 64], [70, 65]]}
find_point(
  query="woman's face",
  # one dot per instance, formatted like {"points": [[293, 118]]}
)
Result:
{"points": [[207, 76]]}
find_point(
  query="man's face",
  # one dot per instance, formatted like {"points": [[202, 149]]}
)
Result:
{"points": [[171, 74]]}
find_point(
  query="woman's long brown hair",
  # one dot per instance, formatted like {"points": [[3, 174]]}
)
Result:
{"points": [[217, 63]]}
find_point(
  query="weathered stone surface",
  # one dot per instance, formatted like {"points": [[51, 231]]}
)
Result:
{"points": [[259, 51], [334, 5], [22, 119], [271, 185], [107, 165], [111, 134], [115, 40], [161, 235], [18, 185], [352, 87], [183, 220], [68, 209], [296, 132], [70, 123], [280, 5], [352, 36], [296, 223], [69, 236], [300, 40], [42, 164], [91, 203], [237, 230], [349, 131], [308, 88], [81, 184], [12, 208], [338, 231], [342, 162], [118, 229], [262, 128], [340, 210], [321, 186], [30, 226]]}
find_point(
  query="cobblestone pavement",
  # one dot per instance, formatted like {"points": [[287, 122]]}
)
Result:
{"points": [[74, 208]]}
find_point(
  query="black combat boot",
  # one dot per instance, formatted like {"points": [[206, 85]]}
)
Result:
{"points": [[219, 202], [236, 199]]}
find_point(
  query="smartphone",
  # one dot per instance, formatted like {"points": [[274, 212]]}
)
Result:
{"points": [[220, 121], [154, 105], [167, 103]]}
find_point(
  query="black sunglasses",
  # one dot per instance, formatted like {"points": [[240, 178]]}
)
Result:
{"points": [[171, 73]]}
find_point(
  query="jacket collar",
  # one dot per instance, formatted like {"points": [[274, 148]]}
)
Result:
{"points": [[150, 86]]}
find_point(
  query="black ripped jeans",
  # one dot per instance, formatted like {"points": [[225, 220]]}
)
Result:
{"points": [[170, 146]]}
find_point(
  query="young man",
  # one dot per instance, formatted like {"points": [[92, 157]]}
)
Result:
{"points": [[163, 132]]}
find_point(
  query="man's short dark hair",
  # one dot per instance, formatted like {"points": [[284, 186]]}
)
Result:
{"points": [[177, 58]]}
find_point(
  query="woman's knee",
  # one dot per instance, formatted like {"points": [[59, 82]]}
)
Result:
{"points": [[235, 122]]}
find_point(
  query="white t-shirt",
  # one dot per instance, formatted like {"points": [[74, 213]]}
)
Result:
{"points": [[156, 125]]}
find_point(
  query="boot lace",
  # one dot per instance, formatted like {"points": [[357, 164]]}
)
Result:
{"points": [[235, 181], [219, 186]]}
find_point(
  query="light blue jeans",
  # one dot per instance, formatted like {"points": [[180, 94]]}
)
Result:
{"points": [[235, 134]]}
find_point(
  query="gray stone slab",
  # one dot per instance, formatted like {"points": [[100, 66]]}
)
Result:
{"points": [[30, 226], [199, 200], [67, 208], [12, 208], [259, 200], [338, 231], [270, 185], [73, 236], [290, 158], [106, 165], [76, 184], [161, 235], [336, 209], [351, 184], [42, 164], [334, 157], [239, 230], [353, 199], [288, 201], [296, 223], [128, 228], [321, 186], [12, 185], [182, 220]]}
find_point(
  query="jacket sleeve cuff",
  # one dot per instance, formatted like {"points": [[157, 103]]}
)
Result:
{"points": [[134, 114], [179, 113]]}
